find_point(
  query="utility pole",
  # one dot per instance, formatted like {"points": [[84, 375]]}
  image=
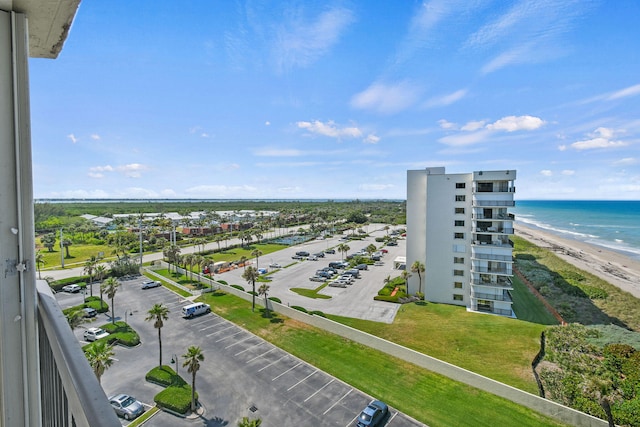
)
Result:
{"points": [[140, 232], [61, 250]]}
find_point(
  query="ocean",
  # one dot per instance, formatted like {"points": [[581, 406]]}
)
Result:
{"points": [[613, 225]]}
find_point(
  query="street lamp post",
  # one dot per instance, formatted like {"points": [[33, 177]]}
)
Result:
{"points": [[174, 359]]}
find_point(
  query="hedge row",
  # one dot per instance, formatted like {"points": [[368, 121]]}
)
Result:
{"points": [[176, 396]]}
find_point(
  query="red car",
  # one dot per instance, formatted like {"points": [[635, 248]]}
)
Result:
{"points": [[384, 251]]}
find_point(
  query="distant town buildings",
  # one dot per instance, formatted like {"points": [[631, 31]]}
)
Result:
{"points": [[458, 227]]}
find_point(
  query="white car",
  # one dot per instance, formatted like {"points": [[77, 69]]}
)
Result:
{"points": [[150, 284], [93, 334], [72, 289], [275, 265]]}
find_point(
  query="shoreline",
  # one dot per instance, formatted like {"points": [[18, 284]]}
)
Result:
{"points": [[618, 269]]}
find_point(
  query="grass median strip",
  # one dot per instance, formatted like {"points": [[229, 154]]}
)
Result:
{"points": [[428, 397]]}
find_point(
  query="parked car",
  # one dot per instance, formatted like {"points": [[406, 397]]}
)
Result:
{"points": [[362, 267], [72, 289], [89, 312], [319, 255], [299, 257], [378, 263], [392, 244], [330, 251], [373, 414], [150, 284], [384, 251], [93, 334], [317, 279], [313, 258], [126, 406], [302, 253], [195, 309], [275, 265]]}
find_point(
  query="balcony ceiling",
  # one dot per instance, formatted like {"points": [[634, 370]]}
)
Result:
{"points": [[49, 23]]}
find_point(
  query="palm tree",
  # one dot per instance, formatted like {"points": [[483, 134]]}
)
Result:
{"points": [[100, 357], [418, 267], [256, 253], [40, 262], [262, 290], [243, 261], [110, 287], [250, 275], [193, 357], [343, 248], [247, 422], [405, 276], [89, 268], [101, 271], [158, 314], [75, 318]]}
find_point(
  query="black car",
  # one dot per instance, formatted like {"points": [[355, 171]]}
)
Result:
{"points": [[319, 254], [330, 251]]}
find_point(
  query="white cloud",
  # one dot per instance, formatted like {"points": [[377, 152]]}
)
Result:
{"points": [[96, 175], [72, 137], [444, 124], [546, 172], [95, 137], [386, 99], [627, 161], [601, 138], [465, 138], [267, 123], [473, 125], [623, 93], [516, 123], [132, 170], [447, 99], [136, 193], [301, 42], [106, 168], [562, 147], [372, 139], [332, 130], [568, 172], [278, 152], [168, 193]]}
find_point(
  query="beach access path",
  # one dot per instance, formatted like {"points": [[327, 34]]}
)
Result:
{"points": [[618, 269]]}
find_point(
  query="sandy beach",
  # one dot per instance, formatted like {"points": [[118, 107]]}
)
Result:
{"points": [[615, 268]]}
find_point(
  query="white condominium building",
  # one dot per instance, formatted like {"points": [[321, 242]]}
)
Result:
{"points": [[458, 227]]}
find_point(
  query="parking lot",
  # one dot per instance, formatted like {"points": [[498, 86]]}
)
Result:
{"points": [[355, 300], [242, 375]]}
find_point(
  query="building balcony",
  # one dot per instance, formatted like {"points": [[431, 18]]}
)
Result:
{"points": [[492, 230], [491, 257], [492, 281], [505, 243], [494, 187], [504, 296], [494, 216], [499, 311], [504, 270], [70, 393], [493, 203]]}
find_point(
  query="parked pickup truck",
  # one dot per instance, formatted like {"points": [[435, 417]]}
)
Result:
{"points": [[317, 279], [73, 289]]}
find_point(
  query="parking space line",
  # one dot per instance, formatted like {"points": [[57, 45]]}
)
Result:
{"points": [[392, 417], [260, 355], [237, 342], [229, 336], [338, 401], [272, 363], [302, 380], [250, 348], [210, 326], [352, 421], [290, 369], [319, 390], [221, 330]]}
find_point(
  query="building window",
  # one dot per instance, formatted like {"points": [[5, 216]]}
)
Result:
{"points": [[458, 235], [458, 260], [460, 198], [460, 211], [458, 223], [458, 272], [459, 248], [457, 285], [457, 297], [460, 185]]}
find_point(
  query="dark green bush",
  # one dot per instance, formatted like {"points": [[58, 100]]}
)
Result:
{"points": [[275, 299], [238, 287], [176, 398], [165, 376], [387, 298], [297, 307], [317, 313], [223, 282], [122, 333]]}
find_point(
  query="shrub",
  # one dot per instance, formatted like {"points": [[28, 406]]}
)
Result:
{"points": [[238, 287], [252, 293], [317, 313], [224, 282], [275, 299], [165, 376], [175, 398], [79, 280], [122, 334], [386, 298], [297, 307]]}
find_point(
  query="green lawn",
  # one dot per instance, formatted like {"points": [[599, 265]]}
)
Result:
{"points": [[312, 293], [428, 397], [78, 254], [528, 307]]}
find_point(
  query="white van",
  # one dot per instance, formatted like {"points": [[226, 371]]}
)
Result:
{"points": [[195, 309]]}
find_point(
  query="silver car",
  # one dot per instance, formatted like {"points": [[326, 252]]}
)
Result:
{"points": [[126, 406]]}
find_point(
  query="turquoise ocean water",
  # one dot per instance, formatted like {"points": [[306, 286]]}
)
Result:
{"points": [[614, 225]]}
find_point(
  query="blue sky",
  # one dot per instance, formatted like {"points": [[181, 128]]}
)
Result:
{"points": [[338, 99]]}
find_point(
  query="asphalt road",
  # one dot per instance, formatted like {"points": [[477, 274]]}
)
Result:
{"points": [[242, 375]]}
